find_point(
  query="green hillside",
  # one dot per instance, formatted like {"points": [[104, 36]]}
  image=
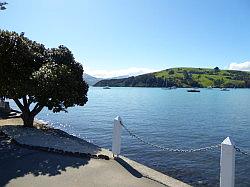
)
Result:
{"points": [[184, 77]]}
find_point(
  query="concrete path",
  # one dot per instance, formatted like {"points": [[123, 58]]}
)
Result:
{"points": [[52, 138], [24, 167], [97, 173], [27, 167], [11, 121]]}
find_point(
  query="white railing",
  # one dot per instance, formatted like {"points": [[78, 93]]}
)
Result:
{"points": [[227, 163], [116, 142], [227, 158]]}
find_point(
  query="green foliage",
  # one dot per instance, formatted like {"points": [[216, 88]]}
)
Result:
{"points": [[216, 69], [187, 77], [3, 5], [47, 77], [19, 58], [171, 72]]}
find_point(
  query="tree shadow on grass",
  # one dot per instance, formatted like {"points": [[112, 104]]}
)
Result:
{"points": [[16, 161]]}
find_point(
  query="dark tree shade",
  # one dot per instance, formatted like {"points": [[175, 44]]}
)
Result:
{"points": [[30, 73], [3, 5], [216, 69]]}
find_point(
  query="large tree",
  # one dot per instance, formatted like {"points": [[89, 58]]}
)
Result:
{"points": [[36, 77]]}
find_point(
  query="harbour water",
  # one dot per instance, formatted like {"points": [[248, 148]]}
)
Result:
{"points": [[171, 118]]}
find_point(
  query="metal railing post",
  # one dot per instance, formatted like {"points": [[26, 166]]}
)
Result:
{"points": [[116, 141], [227, 163]]}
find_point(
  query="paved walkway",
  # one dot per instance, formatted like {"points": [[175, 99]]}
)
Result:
{"points": [[25, 167], [54, 139]]}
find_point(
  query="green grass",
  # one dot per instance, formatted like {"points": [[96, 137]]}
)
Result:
{"points": [[206, 77]]}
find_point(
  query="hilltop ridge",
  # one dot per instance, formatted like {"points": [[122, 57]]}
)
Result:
{"points": [[184, 77]]}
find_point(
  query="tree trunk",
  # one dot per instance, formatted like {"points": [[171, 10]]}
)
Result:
{"points": [[28, 119], [27, 115]]}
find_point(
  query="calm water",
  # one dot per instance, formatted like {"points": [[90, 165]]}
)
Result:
{"points": [[172, 118]]}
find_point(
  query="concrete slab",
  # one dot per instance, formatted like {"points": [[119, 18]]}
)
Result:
{"points": [[24, 167], [58, 139]]}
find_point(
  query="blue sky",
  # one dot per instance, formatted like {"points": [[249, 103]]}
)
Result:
{"points": [[115, 37]]}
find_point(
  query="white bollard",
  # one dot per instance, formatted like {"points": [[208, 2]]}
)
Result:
{"points": [[116, 141], [227, 163]]}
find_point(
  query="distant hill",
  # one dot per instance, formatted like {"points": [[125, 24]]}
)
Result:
{"points": [[93, 80], [90, 79], [184, 77], [119, 77]]}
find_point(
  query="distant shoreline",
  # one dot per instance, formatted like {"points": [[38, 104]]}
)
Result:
{"points": [[163, 87], [184, 78]]}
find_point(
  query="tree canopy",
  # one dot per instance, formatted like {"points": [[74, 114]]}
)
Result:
{"points": [[3, 5], [31, 73], [216, 69]]}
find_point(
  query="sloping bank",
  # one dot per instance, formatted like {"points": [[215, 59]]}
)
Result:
{"points": [[48, 139]]}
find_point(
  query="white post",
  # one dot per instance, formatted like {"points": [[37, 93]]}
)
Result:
{"points": [[227, 163], [116, 141]]}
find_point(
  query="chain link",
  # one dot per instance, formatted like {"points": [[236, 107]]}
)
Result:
{"points": [[166, 148], [240, 151]]}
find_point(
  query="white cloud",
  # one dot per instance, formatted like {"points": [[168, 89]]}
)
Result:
{"points": [[133, 71], [245, 66]]}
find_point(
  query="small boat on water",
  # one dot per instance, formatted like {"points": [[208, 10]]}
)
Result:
{"points": [[170, 88], [106, 87], [167, 87], [224, 89], [193, 90]]}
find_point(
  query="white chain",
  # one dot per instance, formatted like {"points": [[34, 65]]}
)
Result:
{"points": [[166, 148]]}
